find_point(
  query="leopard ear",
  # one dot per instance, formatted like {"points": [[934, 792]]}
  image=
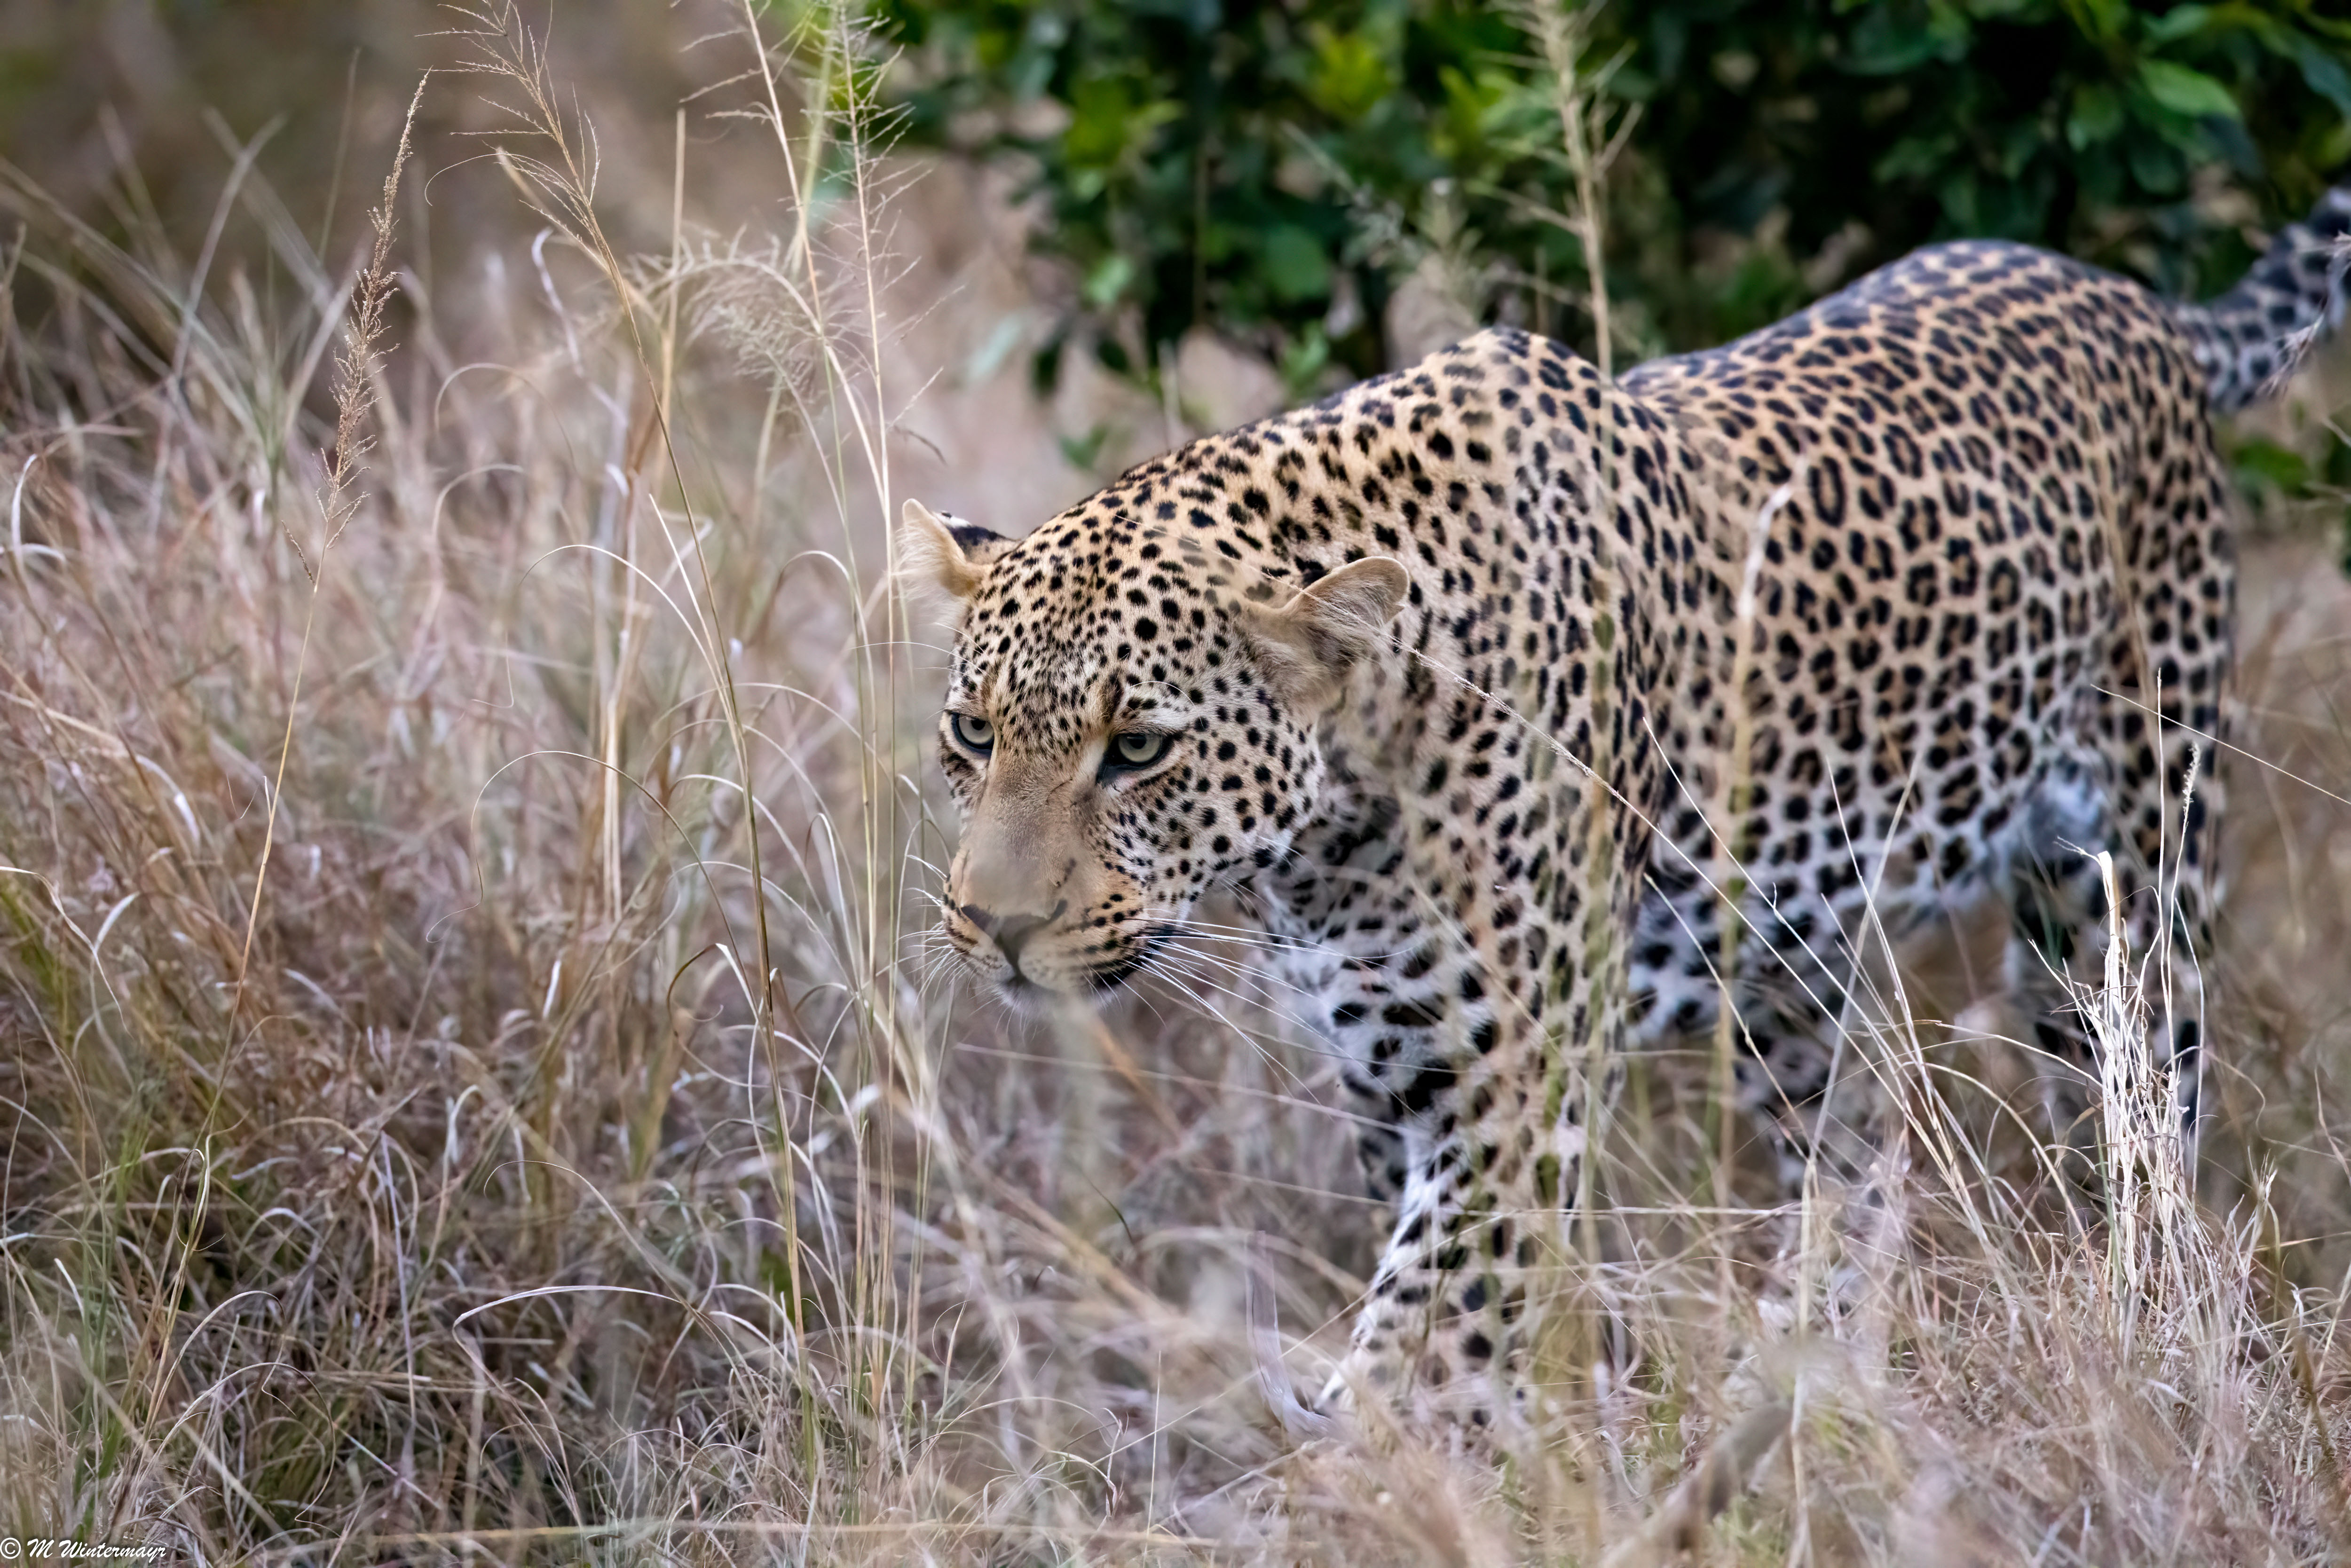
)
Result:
{"points": [[945, 555], [1306, 647]]}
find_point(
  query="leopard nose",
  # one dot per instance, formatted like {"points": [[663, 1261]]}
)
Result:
{"points": [[1010, 932]]}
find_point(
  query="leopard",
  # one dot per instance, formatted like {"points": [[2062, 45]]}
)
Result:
{"points": [[1499, 692]]}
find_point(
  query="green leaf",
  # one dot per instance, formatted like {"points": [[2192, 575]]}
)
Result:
{"points": [[2098, 116], [2265, 464], [1889, 40], [1107, 122], [1296, 267], [2325, 74], [2184, 89], [1914, 156], [1108, 280], [1350, 76], [2156, 165], [2178, 23], [1303, 361], [2100, 19], [1085, 451]]}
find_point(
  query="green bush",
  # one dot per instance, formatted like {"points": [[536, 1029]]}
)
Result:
{"points": [[1275, 168]]}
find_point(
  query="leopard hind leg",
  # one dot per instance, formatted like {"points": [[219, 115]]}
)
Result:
{"points": [[1793, 1076], [2062, 922]]}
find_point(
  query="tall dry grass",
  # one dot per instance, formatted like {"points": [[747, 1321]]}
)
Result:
{"points": [[473, 1094]]}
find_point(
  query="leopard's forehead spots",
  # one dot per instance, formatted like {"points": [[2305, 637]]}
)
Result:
{"points": [[1099, 621]]}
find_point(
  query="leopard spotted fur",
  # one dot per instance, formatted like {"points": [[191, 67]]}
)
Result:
{"points": [[1444, 676]]}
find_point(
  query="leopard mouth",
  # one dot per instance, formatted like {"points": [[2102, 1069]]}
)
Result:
{"points": [[1104, 978], [1019, 984]]}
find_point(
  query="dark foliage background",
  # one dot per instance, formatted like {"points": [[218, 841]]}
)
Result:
{"points": [[1274, 167]]}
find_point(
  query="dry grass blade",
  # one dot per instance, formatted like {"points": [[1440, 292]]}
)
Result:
{"points": [[355, 392]]}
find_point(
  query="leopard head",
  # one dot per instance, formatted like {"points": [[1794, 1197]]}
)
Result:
{"points": [[1130, 719]]}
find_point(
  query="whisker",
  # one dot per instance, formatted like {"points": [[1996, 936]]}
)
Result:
{"points": [[1164, 970]]}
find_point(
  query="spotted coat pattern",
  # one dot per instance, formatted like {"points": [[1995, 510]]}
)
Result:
{"points": [[1934, 555]]}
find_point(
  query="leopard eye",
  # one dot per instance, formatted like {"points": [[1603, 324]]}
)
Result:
{"points": [[1135, 748], [973, 732]]}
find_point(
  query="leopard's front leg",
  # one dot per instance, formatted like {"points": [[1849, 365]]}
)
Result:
{"points": [[1493, 1167], [1436, 1051], [1351, 945], [1472, 949]]}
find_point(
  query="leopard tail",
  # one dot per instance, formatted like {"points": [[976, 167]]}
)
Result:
{"points": [[2251, 337]]}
